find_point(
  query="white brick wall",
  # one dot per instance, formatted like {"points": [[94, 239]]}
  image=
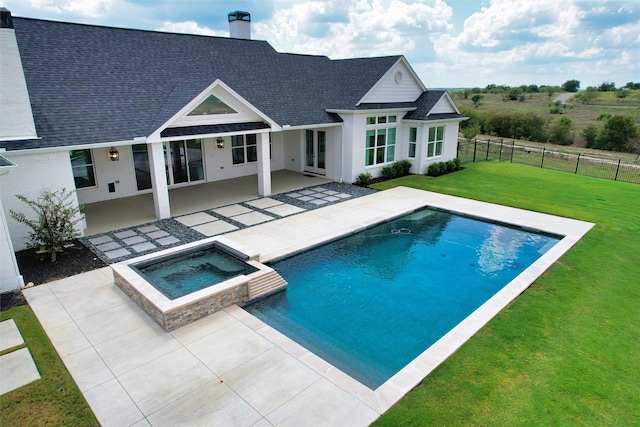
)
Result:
{"points": [[33, 173]]}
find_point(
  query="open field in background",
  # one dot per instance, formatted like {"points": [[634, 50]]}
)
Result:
{"points": [[566, 352], [581, 115]]}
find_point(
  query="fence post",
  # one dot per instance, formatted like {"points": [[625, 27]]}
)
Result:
{"points": [[501, 145], [513, 147], [475, 146], [542, 161], [617, 169], [577, 163], [488, 145]]}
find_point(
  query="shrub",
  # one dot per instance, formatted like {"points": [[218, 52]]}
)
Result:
{"points": [[457, 163], [389, 172], [55, 221], [527, 126], [437, 169], [561, 134], [442, 168], [590, 134], [402, 167], [364, 179], [556, 110]]}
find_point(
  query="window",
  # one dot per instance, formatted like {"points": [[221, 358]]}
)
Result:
{"points": [[141, 166], [211, 105], [413, 139], [82, 167], [381, 140], [244, 149], [434, 143], [183, 160]]}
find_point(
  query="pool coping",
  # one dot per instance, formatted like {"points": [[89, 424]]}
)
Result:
{"points": [[408, 200]]}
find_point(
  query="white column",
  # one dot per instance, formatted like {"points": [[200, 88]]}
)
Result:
{"points": [[159, 180], [264, 165]]}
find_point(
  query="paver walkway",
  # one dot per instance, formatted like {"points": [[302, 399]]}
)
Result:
{"points": [[16, 367], [140, 240]]}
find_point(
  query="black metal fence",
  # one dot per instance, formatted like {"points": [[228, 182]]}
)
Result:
{"points": [[477, 150]]}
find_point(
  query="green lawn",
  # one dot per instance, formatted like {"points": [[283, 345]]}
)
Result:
{"points": [[52, 400], [567, 351]]}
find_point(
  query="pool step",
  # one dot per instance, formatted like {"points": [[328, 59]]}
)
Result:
{"points": [[265, 284]]}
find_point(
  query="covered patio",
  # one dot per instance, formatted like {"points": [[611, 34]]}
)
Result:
{"points": [[136, 210]]}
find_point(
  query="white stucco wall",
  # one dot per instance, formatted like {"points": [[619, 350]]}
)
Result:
{"points": [[34, 173], [449, 147], [121, 173], [354, 139], [10, 278]]}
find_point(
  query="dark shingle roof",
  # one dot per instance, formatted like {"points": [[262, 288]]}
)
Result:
{"points": [[91, 84]]}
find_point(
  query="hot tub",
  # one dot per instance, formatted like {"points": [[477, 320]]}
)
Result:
{"points": [[180, 285]]}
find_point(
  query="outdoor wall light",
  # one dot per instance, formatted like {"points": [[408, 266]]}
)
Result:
{"points": [[220, 142], [114, 155]]}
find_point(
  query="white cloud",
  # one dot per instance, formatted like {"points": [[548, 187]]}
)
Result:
{"points": [[355, 28], [89, 8]]}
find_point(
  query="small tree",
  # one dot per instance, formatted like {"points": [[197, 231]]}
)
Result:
{"points": [[561, 133], [590, 133], [591, 94], [471, 131], [617, 134], [55, 222], [571, 85], [476, 100]]}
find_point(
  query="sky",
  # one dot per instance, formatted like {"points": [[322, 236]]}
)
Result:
{"points": [[449, 43]]}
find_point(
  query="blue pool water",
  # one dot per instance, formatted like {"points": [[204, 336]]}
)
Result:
{"points": [[372, 302], [181, 274]]}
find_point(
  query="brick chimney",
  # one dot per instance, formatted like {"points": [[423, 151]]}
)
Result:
{"points": [[240, 25]]}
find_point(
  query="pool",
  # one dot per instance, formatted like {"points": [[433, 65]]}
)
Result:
{"points": [[372, 302]]}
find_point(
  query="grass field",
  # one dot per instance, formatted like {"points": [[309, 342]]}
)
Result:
{"points": [[581, 115], [52, 400], [567, 351]]}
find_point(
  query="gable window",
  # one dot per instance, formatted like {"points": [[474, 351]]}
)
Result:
{"points": [[244, 149], [435, 141], [381, 140], [211, 105], [82, 167], [413, 139]]}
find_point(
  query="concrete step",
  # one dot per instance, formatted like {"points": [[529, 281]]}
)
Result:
{"points": [[266, 284]]}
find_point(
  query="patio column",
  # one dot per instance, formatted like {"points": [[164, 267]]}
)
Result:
{"points": [[264, 165], [159, 180]]}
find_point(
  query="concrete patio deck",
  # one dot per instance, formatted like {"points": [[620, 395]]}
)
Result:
{"points": [[232, 369], [136, 210]]}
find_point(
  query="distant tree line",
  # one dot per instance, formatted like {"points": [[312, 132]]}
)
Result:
{"points": [[619, 133], [522, 92]]}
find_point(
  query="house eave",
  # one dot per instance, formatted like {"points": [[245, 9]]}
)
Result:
{"points": [[370, 111], [426, 121], [137, 140]]}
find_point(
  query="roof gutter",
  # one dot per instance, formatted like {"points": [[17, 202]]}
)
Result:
{"points": [[369, 111], [136, 140], [428, 122]]}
